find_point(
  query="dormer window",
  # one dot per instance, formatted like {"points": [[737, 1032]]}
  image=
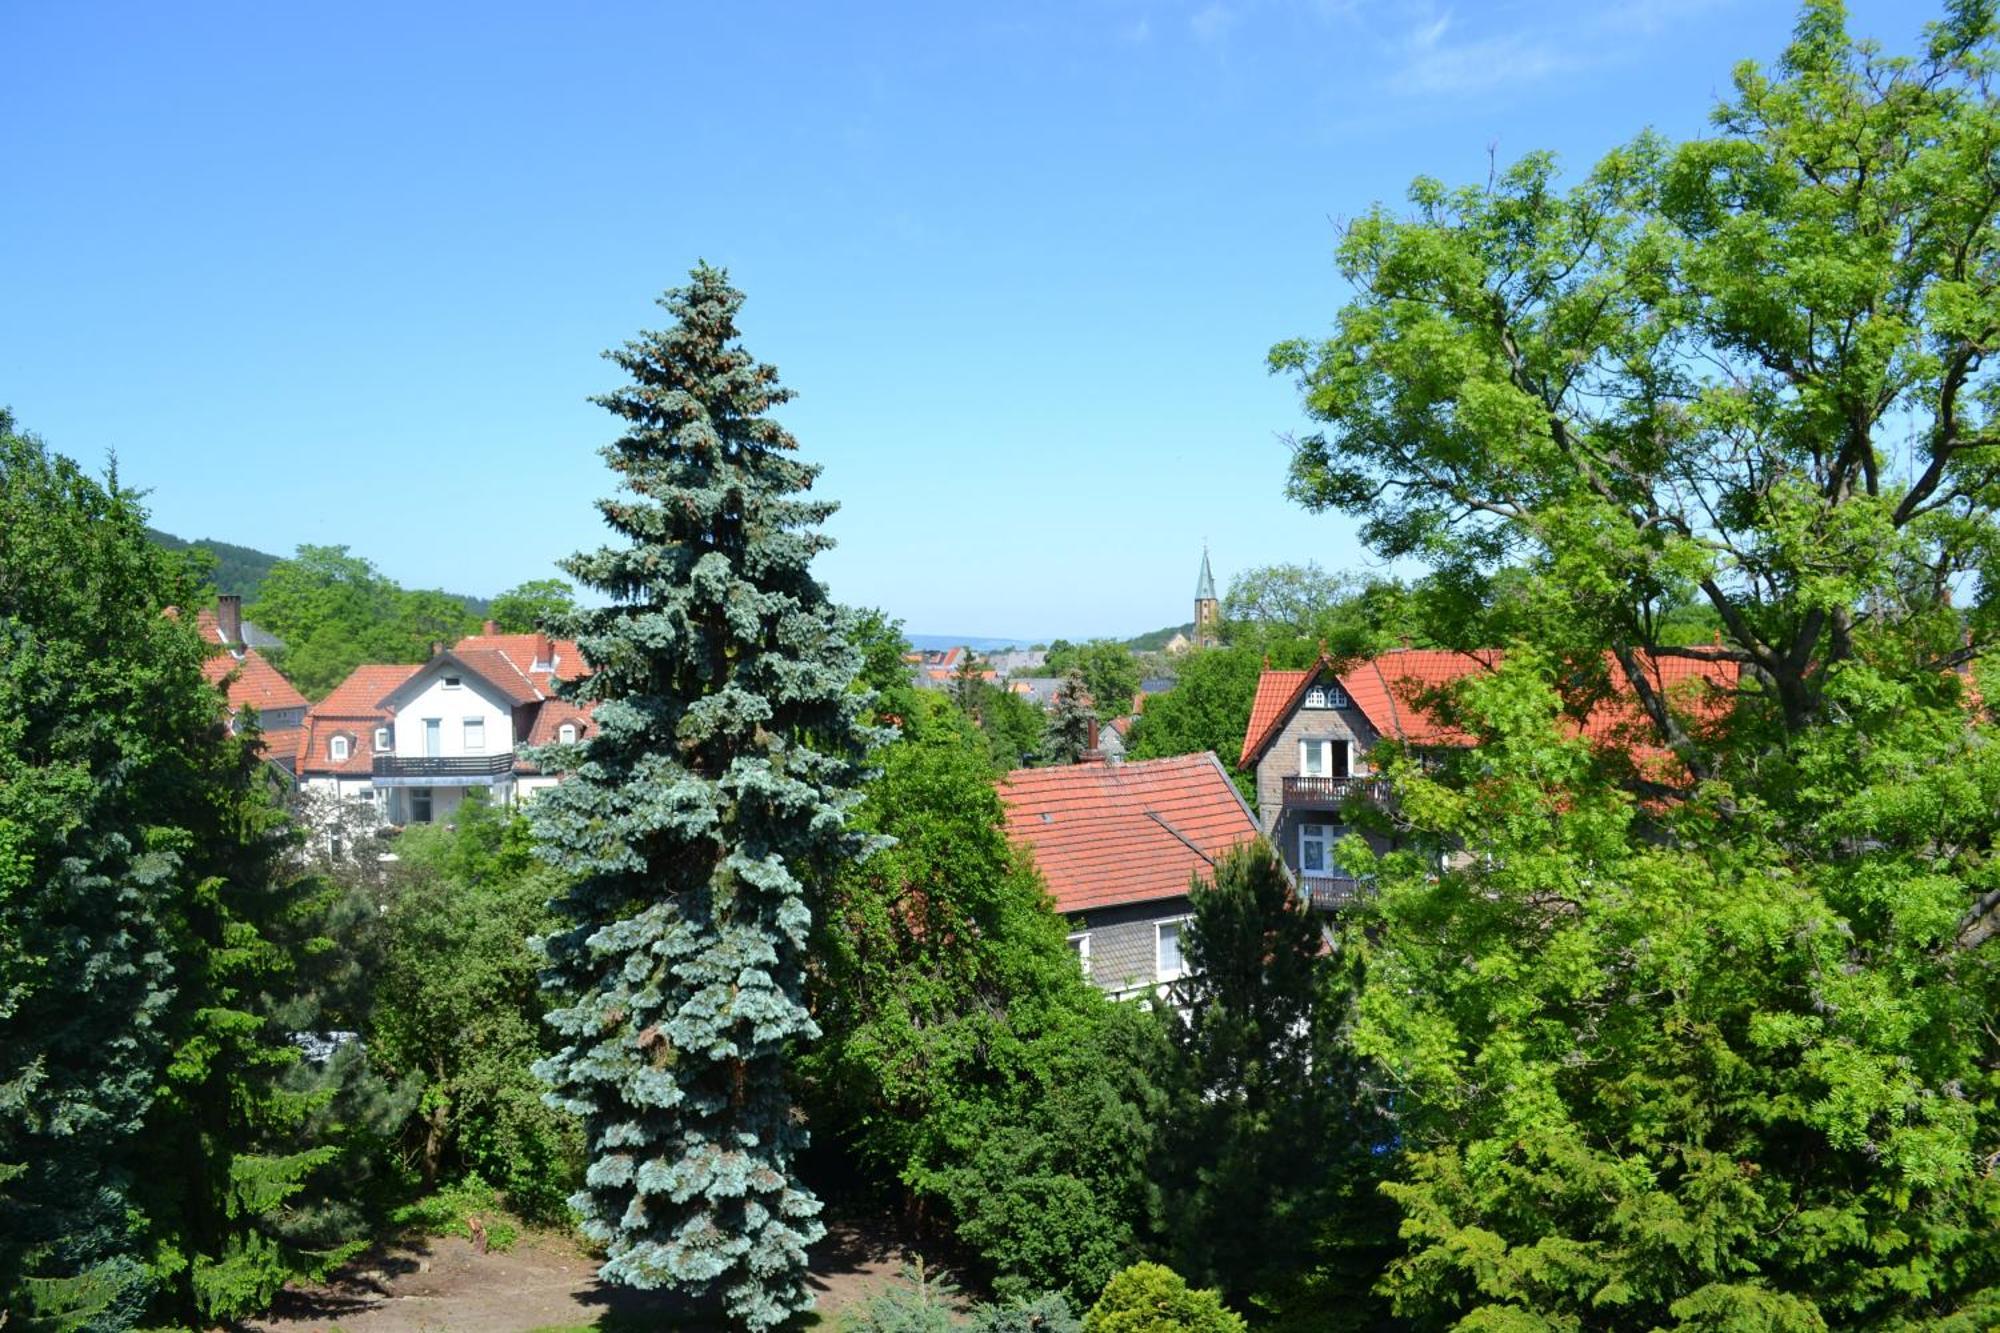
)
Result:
{"points": [[454, 682], [566, 733], [383, 741], [337, 749], [1326, 696]]}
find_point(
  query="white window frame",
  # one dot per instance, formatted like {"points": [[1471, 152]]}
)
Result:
{"points": [[566, 734], [1160, 973], [1326, 770], [338, 748], [470, 725], [1326, 695], [1079, 940], [385, 740], [1329, 835], [453, 682]]}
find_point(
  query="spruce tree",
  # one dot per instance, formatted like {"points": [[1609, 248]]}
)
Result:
{"points": [[699, 824], [1071, 718]]}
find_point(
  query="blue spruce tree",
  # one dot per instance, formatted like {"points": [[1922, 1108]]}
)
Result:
{"points": [[698, 822]]}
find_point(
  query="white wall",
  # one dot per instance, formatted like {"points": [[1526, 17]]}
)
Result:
{"points": [[473, 698]]}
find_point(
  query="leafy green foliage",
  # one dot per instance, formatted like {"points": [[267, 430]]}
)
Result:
{"points": [[1752, 370], [1047, 1313], [1149, 1298], [335, 611], [458, 1009], [238, 569], [1110, 672], [923, 1302], [1703, 1075], [965, 1057], [529, 606], [1207, 709], [454, 1210], [707, 815], [1072, 722]]}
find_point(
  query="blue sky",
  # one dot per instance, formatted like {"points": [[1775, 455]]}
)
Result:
{"points": [[341, 273]]}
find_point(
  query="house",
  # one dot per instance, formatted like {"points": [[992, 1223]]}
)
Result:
{"points": [[1119, 847], [411, 740], [250, 682], [1311, 732]]}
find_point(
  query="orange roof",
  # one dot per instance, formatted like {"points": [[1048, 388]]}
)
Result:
{"points": [[490, 666], [360, 695], [1105, 834], [533, 655], [1386, 689], [251, 682], [353, 710]]}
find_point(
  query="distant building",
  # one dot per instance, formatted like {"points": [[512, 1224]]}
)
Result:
{"points": [[1207, 610], [1018, 661], [411, 740], [249, 681], [1119, 847]]}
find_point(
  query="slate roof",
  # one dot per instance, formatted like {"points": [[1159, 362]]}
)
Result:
{"points": [[1108, 834]]}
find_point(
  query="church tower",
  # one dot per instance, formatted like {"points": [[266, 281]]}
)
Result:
{"points": [[1207, 611]]}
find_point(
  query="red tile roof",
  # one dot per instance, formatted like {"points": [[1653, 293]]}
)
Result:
{"points": [[489, 665], [533, 655], [353, 710], [1387, 688], [251, 682], [1106, 834]]}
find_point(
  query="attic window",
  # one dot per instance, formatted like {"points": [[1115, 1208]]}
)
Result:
{"points": [[566, 733], [1326, 696], [454, 682], [336, 749], [382, 741]]}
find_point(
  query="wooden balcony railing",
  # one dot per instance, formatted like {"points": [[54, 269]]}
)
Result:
{"points": [[1334, 791], [444, 769], [1330, 893]]}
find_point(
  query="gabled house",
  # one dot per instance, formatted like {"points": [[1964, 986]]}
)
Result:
{"points": [[412, 740], [250, 682], [1119, 846], [1311, 733]]}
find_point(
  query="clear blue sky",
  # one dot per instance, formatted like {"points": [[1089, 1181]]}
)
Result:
{"points": [[340, 272]]}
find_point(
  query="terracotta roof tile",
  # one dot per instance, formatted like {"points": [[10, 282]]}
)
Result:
{"points": [[1106, 834], [1275, 695], [252, 682]]}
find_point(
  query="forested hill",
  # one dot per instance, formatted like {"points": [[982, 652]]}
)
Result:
{"points": [[1157, 639], [238, 569], [241, 569]]}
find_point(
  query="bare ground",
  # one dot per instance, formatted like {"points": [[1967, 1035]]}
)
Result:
{"points": [[544, 1282]]}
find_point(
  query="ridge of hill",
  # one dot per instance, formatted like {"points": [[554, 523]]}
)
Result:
{"points": [[240, 570]]}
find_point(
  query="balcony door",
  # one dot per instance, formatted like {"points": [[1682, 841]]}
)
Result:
{"points": [[1316, 848], [433, 737], [1322, 759]]}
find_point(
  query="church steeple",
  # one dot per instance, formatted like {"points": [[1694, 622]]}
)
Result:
{"points": [[1207, 610]]}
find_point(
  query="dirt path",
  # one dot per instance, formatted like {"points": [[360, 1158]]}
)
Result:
{"points": [[544, 1282]]}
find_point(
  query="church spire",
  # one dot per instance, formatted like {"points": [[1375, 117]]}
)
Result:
{"points": [[1207, 610], [1204, 587]]}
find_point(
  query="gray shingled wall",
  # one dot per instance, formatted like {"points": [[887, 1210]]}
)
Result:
{"points": [[1124, 941]]}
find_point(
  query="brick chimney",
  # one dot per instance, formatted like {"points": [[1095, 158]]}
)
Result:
{"points": [[490, 627], [1091, 754], [229, 619]]}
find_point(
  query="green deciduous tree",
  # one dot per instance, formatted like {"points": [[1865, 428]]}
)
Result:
{"points": [[335, 611], [1751, 370], [1110, 672], [529, 606], [1207, 709], [706, 815], [1149, 1298], [966, 1059], [1693, 1075]]}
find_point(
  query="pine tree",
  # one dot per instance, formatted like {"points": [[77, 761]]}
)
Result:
{"points": [[706, 812], [1068, 736]]}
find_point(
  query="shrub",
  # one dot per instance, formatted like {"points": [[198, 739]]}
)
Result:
{"points": [[1046, 1313], [920, 1303], [1150, 1298]]}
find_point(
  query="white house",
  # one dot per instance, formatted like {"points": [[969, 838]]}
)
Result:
{"points": [[411, 741]]}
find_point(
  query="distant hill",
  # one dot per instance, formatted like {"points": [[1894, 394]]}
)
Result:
{"points": [[978, 643], [1157, 639], [241, 569], [238, 569]]}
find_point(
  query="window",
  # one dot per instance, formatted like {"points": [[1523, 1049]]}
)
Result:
{"points": [[1079, 944], [336, 749], [420, 805], [1168, 965], [1326, 696], [1322, 759], [1315, 848], [566, 733], [454, 682], [475, 735], [383, 741]]}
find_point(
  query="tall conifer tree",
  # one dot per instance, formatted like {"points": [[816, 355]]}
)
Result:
{"points": [[699, 822], [1067, 737]]}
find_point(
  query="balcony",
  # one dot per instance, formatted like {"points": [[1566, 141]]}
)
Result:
{"points": [[1329, 793], [1330, 893], [472, 770]]}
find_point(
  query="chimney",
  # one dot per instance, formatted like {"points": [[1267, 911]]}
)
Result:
{"points": [[1091, 754], [436, 647], [229, 619], [490, 627]]}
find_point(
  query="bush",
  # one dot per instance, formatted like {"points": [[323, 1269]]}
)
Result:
{"points": [[1046, 1313], [921, 1303], [450, 1211], [1150, 1298]]}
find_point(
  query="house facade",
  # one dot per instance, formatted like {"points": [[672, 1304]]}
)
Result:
{"points": [[408, 743], [1311, 734], [1119, 846]]}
